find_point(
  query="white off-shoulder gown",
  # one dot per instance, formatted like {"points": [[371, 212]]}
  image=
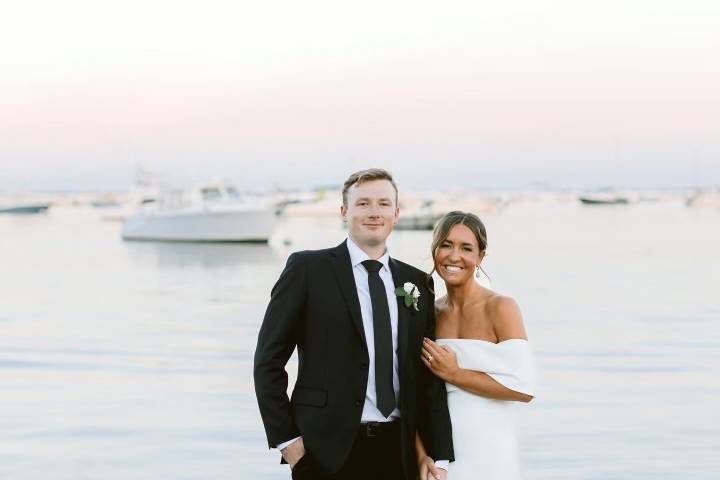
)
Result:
{"points": [[483, 429]]}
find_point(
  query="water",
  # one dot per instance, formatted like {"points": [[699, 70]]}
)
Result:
{"points": [[134, 360]]}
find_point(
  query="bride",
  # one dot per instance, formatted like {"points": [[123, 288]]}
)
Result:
{"points": [[482, 354]]}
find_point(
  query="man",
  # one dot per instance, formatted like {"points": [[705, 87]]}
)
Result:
{"points": [[362, 393]]}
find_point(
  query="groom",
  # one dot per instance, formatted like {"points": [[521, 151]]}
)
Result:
{"points": [[361, 392]]}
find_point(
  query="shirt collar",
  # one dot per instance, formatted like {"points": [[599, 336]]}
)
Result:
{"points": [[357, 255]]}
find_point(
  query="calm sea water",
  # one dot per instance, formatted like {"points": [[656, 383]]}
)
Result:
{"points": [[134, 360]]}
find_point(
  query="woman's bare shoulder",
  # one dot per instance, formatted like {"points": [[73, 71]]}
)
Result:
{"points": [[506, 317], [501, 305]]}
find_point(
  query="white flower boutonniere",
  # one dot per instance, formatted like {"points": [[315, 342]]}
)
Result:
{"points": [[410, 294]]}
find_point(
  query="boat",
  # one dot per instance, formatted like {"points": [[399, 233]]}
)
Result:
{"points": [[316, 204], [26, 209], [604, 198], [417, 222], [604, 201], [704, 199], [210, 213], [142, 194], [421, 217]]}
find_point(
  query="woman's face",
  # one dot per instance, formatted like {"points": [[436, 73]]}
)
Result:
{"points": [[458, 256]]}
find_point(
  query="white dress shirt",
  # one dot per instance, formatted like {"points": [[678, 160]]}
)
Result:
{"points": [[370, 411]]}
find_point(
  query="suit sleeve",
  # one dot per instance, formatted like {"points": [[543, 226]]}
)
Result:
{"points": [[435, 426], [276, 341]]}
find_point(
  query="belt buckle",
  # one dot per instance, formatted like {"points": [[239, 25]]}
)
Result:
{"points": [[371, 429]]}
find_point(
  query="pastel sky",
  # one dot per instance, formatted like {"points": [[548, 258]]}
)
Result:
{"points": [[574, 94]]}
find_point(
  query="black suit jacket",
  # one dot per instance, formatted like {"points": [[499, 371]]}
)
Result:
{"points": [[314, 306]]}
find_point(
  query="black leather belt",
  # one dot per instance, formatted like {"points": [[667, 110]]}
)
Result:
{"points": [[376, 429]]}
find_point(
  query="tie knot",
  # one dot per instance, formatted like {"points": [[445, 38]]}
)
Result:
{"points": [[372, 266]]}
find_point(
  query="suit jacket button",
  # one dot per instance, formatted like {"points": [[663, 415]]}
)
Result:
{"points": [[364, 364], [358, 402]]}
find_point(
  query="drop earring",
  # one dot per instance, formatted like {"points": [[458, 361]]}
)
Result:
{"points": [[477, 271]]}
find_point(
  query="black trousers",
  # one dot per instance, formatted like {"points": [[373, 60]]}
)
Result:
{"points": [[375, 455]]}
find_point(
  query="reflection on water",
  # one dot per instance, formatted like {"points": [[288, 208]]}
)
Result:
{"points": [[203, 255], [134, 360]]}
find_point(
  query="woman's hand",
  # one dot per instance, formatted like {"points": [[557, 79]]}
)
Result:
{"points": [[429, 471], [441, 360]]}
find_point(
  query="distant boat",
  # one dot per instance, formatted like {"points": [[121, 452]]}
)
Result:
{"points": [[30, 209], [704, 199], [420, 218], [105, 204], [212, 213], [604, 199], [417, 222], [319, 203]]}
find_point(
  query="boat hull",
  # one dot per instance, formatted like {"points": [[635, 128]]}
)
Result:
{"points": [[598, 201], [421, 222], [246, 226], [25, 209]]}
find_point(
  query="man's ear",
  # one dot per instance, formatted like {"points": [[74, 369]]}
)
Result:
{"points": [[343, 213]]}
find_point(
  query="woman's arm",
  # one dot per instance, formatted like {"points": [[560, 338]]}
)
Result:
{"points": [[419, 447], [484, 385], [444, 365], [426, 465], [508, 324]]}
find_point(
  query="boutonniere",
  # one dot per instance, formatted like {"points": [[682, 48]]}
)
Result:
{"points": [[410, 293]]}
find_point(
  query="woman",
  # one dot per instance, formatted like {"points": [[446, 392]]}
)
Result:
{"points": [[482, 354]]}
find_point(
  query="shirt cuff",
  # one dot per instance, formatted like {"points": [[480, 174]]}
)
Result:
{"points": [[287, 444], [444, 464]]}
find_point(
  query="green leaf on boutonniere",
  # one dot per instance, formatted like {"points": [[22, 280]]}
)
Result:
{"points": [[410, 294]]}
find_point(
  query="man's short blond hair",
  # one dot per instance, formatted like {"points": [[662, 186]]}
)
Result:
{"points": [[366, 176]]}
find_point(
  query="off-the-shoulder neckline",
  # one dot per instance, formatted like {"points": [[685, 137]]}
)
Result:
{"points": [[480, 340]]}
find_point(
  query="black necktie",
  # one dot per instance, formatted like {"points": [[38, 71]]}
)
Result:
{"points": [[383, 339]]}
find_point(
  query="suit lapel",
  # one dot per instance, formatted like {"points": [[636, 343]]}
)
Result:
{"points": [[346, 281], [403, 314]]}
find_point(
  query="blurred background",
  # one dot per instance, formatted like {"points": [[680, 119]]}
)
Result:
{"points": [[160, 160]]}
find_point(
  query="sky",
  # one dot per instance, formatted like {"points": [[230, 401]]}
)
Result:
{"points": [[280, 94]]}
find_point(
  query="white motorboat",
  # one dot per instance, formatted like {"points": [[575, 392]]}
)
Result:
{"points": [[606, 197], [212, 213], [25, 209]]}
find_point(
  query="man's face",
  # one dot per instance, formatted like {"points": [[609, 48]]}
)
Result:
{"points": [[371, 212]]}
